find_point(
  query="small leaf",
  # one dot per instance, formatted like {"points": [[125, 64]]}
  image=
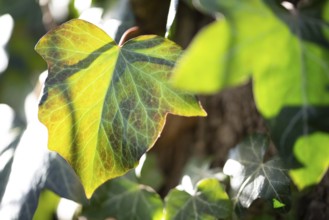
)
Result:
{"points": [[122, 199], [252, 178], [277, 204], [210, 201], [48, 202], [315, 161], [105, 105]]}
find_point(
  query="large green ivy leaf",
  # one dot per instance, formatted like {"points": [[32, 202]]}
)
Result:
{"points": [[105, 105], [286, 54], [210, 201], [282, 52], [252, 177], [123, 198]]}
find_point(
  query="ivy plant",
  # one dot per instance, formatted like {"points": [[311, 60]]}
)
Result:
{"points": [[105, 105]]}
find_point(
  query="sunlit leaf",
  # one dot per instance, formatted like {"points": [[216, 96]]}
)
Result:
{"points": [[277, 204], [210, 201], [315, 161], [277, 51], [252, 177], [306, 155], [48, 202], [105, 105], [122, 199], [286, 54]]}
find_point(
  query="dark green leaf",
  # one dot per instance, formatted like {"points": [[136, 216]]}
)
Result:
{"points": [[124, 199], [210, 201], [252, 177]]}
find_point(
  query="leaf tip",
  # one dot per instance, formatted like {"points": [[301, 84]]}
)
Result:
{"points": [[203, 112], [277, 204]]}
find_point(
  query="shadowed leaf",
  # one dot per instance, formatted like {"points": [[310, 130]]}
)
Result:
{"points": [[122, 198], [28, 176], [252, 178], [210, 201]]}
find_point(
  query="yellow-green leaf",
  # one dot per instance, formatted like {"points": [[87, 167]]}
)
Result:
{"points": [[105, 105], [312, 151], [277, 204]]}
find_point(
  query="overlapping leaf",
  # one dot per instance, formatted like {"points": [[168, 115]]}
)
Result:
{"points": [[252, 177], [277, 51], [122, 199], [315, 162], [210, 201], [286, 54], [105, 105]]}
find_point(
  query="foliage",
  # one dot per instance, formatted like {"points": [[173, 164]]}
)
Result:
{"points": [[124, 193], [285, 54], [105, 105]]}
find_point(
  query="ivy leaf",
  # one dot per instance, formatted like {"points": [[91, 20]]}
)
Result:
{"points": [[210, 201], [286, 54], [123, 198], [309, 160], [105, 105], [315, 162], [252, 178], [283, 50]]}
